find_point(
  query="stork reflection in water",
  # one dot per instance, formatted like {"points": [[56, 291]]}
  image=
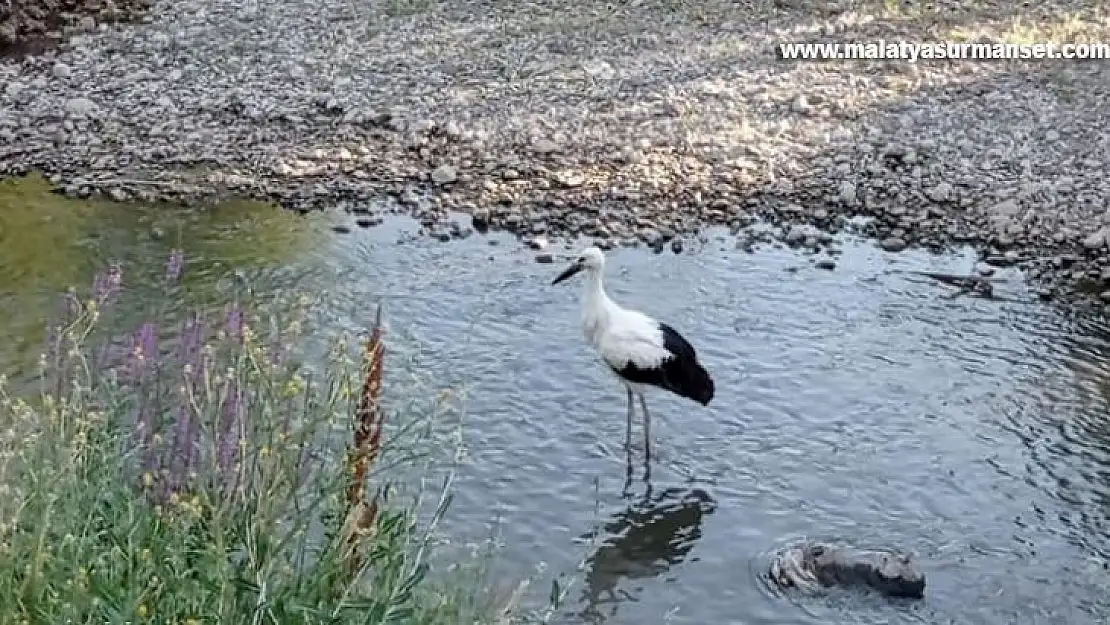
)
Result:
{"points": [[643, 541]]}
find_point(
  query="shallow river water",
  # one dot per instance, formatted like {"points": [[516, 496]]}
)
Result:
{"points": [[856, 404]]}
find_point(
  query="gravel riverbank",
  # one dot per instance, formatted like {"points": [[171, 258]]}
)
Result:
{"points": [[634, 123]]}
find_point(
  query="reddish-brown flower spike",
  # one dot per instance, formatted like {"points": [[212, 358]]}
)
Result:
{"points": [[368, 417], [361, 514]]}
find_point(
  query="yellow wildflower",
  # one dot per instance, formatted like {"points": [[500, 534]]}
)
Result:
{"points": [[293, 387]]}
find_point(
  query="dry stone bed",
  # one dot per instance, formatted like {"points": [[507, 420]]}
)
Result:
{"points": [[631, 123]]}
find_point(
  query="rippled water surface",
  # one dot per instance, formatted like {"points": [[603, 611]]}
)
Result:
{"points": [[855, 404]]}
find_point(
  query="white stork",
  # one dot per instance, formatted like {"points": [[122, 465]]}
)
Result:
{"points": [[641, 351]]}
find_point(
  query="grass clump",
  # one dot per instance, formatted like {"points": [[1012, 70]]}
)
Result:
{"points": [[203, 477]]}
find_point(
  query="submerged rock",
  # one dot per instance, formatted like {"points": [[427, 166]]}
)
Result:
{"points": [[809, 566]]}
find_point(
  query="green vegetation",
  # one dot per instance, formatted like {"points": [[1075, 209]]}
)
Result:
{"points": [[199, 475]]}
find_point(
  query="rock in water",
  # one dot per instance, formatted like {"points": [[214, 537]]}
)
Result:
{"points": [[893, 244], [808, 566]]}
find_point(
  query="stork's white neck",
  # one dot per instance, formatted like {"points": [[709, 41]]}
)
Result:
{"points": [[593, 293], [596, 306]]}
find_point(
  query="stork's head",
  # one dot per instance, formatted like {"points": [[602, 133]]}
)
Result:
{"points": [[591, 259]]}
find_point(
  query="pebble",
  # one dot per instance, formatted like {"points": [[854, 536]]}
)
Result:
{"points": [[444, 174], [846, 193], [940, 193], [801, 105], [545, 146], [1096, 240], [479, 219], [80, 107], [893, 244]]}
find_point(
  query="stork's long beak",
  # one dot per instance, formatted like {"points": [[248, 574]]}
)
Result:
{"points": [[570, 271]]}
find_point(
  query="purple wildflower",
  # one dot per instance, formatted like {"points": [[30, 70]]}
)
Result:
{"points": [[142, 360], [233, 324], [144, 433], [148, 342], [184, 447], [144, 352], [189, 350], [227, 442], [174, 265]]}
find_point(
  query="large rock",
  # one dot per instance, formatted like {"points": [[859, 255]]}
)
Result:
{"points": [[814, 565]]}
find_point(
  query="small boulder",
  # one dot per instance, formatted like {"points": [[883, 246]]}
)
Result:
{"points": [[893, 244], [444, 174]]}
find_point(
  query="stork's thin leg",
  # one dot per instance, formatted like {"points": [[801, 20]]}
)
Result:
{"points": [[627, 491], [647, 429], [628, 425]]}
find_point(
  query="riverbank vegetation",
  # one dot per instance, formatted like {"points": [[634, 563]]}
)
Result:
{"points": [[200, 475]]}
